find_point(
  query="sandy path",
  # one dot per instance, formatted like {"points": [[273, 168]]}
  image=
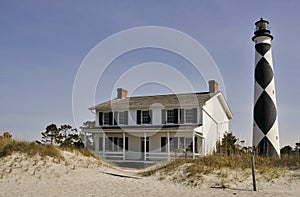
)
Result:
{"points": [[92, 182]]}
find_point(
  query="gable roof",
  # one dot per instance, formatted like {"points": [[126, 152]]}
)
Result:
{"points": [[145, 102]]}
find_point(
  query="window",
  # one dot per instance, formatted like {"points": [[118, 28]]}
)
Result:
{"points": [[172, 145], [177, 144], [170, 116], [188, 116], [100, 143], [115, 144], [189, 144], [163, 143], [145, 117], [181, 143], [106, 119], [122, 117]]}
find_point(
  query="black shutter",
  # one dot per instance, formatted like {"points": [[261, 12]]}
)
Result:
{"points": [[110, 143], [163, 143], [100, 118], [116, 141], [181, 116], [100, 143], [175, 116], [163, 116], [126, 117], [115, 118], [194, 115], [138, 116], [126, 143], [150, 117], [110, 116]]}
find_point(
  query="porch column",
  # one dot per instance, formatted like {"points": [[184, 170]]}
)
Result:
{"points": [[145, 146], [103, 145], [194, 144], [168, 145], [96, 139], [124, 145]]}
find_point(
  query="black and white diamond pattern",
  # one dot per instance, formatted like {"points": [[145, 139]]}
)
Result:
{"points": [[265, 130]]}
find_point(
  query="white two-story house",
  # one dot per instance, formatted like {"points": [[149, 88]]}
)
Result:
{"points": [[160, 127]]}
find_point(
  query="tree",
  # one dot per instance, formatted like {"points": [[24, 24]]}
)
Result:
{"points": [[7, 135], [287, 150], [50, 135], [64, 131], [65, 136], [297, 148], [88, 124], [228, 144]]}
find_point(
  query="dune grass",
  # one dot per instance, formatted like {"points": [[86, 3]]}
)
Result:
{"points": [[9, 146], [214, 163], [83, 151]]}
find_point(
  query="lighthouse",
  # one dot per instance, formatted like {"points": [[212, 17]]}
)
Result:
{"points": [[265, 124]]}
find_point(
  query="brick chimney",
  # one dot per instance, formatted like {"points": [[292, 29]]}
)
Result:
{"points": [[121, 93], [213, 86]]}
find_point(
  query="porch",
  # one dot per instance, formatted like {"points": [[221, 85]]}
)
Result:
{"points": [[148, 146]]}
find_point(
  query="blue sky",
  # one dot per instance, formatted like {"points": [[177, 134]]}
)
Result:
{"points": [[43, 43]]}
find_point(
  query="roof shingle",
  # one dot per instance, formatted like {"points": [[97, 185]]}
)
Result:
{"points": [[146, 102]]}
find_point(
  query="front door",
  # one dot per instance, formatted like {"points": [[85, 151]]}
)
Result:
{"points": [[143, 146]]}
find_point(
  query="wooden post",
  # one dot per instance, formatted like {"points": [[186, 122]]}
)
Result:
{"points": [[253, 173]]}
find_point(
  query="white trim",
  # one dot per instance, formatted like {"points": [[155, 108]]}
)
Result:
{"points": [[145, 146], [103, 145], [124, 141], [193, 141], [168, 145]]}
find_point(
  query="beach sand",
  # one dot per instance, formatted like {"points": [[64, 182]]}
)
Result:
{"points": [[21, 175]]}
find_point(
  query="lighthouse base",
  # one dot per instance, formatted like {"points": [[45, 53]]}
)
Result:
{"points": [[266, 148]]}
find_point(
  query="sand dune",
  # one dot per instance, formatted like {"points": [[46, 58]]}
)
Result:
{"points": [[77, 175]]}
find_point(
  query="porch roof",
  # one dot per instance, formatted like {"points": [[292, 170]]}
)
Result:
{"points": [[150, 128]]}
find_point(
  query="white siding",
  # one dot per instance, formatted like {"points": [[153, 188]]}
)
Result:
{"points": [[97, 119], [215, 123], [156, 116], [132, 117]]}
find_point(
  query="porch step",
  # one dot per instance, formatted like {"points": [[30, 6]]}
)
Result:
{"points": [[134, 164]]}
